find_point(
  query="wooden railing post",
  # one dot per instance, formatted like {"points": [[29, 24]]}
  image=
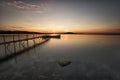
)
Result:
{"points": [[14, 44], [33, 39], [27, 40], [19, 41], [4, 40]]}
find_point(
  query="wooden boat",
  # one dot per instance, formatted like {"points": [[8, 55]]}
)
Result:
{"points": [[51, 36]]}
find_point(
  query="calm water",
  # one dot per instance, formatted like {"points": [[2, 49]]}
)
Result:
{"points": [[93, 57]]}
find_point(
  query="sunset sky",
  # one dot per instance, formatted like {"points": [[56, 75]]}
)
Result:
{"points": [[60, 15]]}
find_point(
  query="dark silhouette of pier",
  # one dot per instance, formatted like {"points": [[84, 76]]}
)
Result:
{"points": [[14, 41], [23, 44]]}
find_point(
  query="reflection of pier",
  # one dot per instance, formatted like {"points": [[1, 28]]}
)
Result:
{"points": [[20, 45]]}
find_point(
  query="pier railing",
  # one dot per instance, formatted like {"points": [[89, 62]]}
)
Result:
{"points": [[18, 38], [16, 44]]}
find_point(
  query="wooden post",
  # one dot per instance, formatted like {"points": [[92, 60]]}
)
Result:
{"points": [[33, 35], [33, 39], [19, 41], [4, 40], [27, 41], [14, 44], [36, 38], [39, 39]]}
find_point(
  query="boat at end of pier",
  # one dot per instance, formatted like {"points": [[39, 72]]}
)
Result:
{"points": [[52, 36]]}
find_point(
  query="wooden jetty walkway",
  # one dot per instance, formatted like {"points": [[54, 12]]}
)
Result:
{"points": [[14, 41], [12, 55], [8, 54]]}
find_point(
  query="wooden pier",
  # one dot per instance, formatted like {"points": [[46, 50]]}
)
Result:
{"points": [[24, 45], [14, 41]]}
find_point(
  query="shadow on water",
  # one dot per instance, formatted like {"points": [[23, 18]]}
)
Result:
{"points": [[15, 54]]}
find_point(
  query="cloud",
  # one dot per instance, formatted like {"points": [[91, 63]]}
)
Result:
{"points": [[16, 27], [29, 6], [22, 5], [9, 27]]}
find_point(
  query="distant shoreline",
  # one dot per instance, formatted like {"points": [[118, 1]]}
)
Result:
{"points": [[27, 32]]}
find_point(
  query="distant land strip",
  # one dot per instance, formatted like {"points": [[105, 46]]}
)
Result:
{"points": [[18, 32], [80, 33]]}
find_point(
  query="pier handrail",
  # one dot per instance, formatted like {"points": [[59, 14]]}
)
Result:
{"points": [[12, 55], [14, 41]]}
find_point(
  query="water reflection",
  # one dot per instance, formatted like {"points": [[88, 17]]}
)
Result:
{"points": [[92, 58], [109, 39]]}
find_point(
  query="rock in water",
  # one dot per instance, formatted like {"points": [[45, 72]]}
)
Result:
{"points": [[64, 63]]}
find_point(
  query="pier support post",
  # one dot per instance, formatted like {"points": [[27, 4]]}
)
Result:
{"points": [[27, 40], [33, 39], [5, 47], [14, 44], [19, 41]]}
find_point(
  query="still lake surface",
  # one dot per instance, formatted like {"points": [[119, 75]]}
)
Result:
{"points": [[92, 57]]}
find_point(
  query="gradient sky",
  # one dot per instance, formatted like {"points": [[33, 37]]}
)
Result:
{"points": [[60, 15]]}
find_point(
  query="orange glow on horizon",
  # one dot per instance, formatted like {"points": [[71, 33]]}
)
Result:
{"points": [[58, 30], [75, 31]]}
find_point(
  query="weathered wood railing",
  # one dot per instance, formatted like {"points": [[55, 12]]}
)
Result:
{"points": [[36, 40]]}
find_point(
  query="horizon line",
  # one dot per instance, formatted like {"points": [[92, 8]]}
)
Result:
{"points": [[33, 32]]}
